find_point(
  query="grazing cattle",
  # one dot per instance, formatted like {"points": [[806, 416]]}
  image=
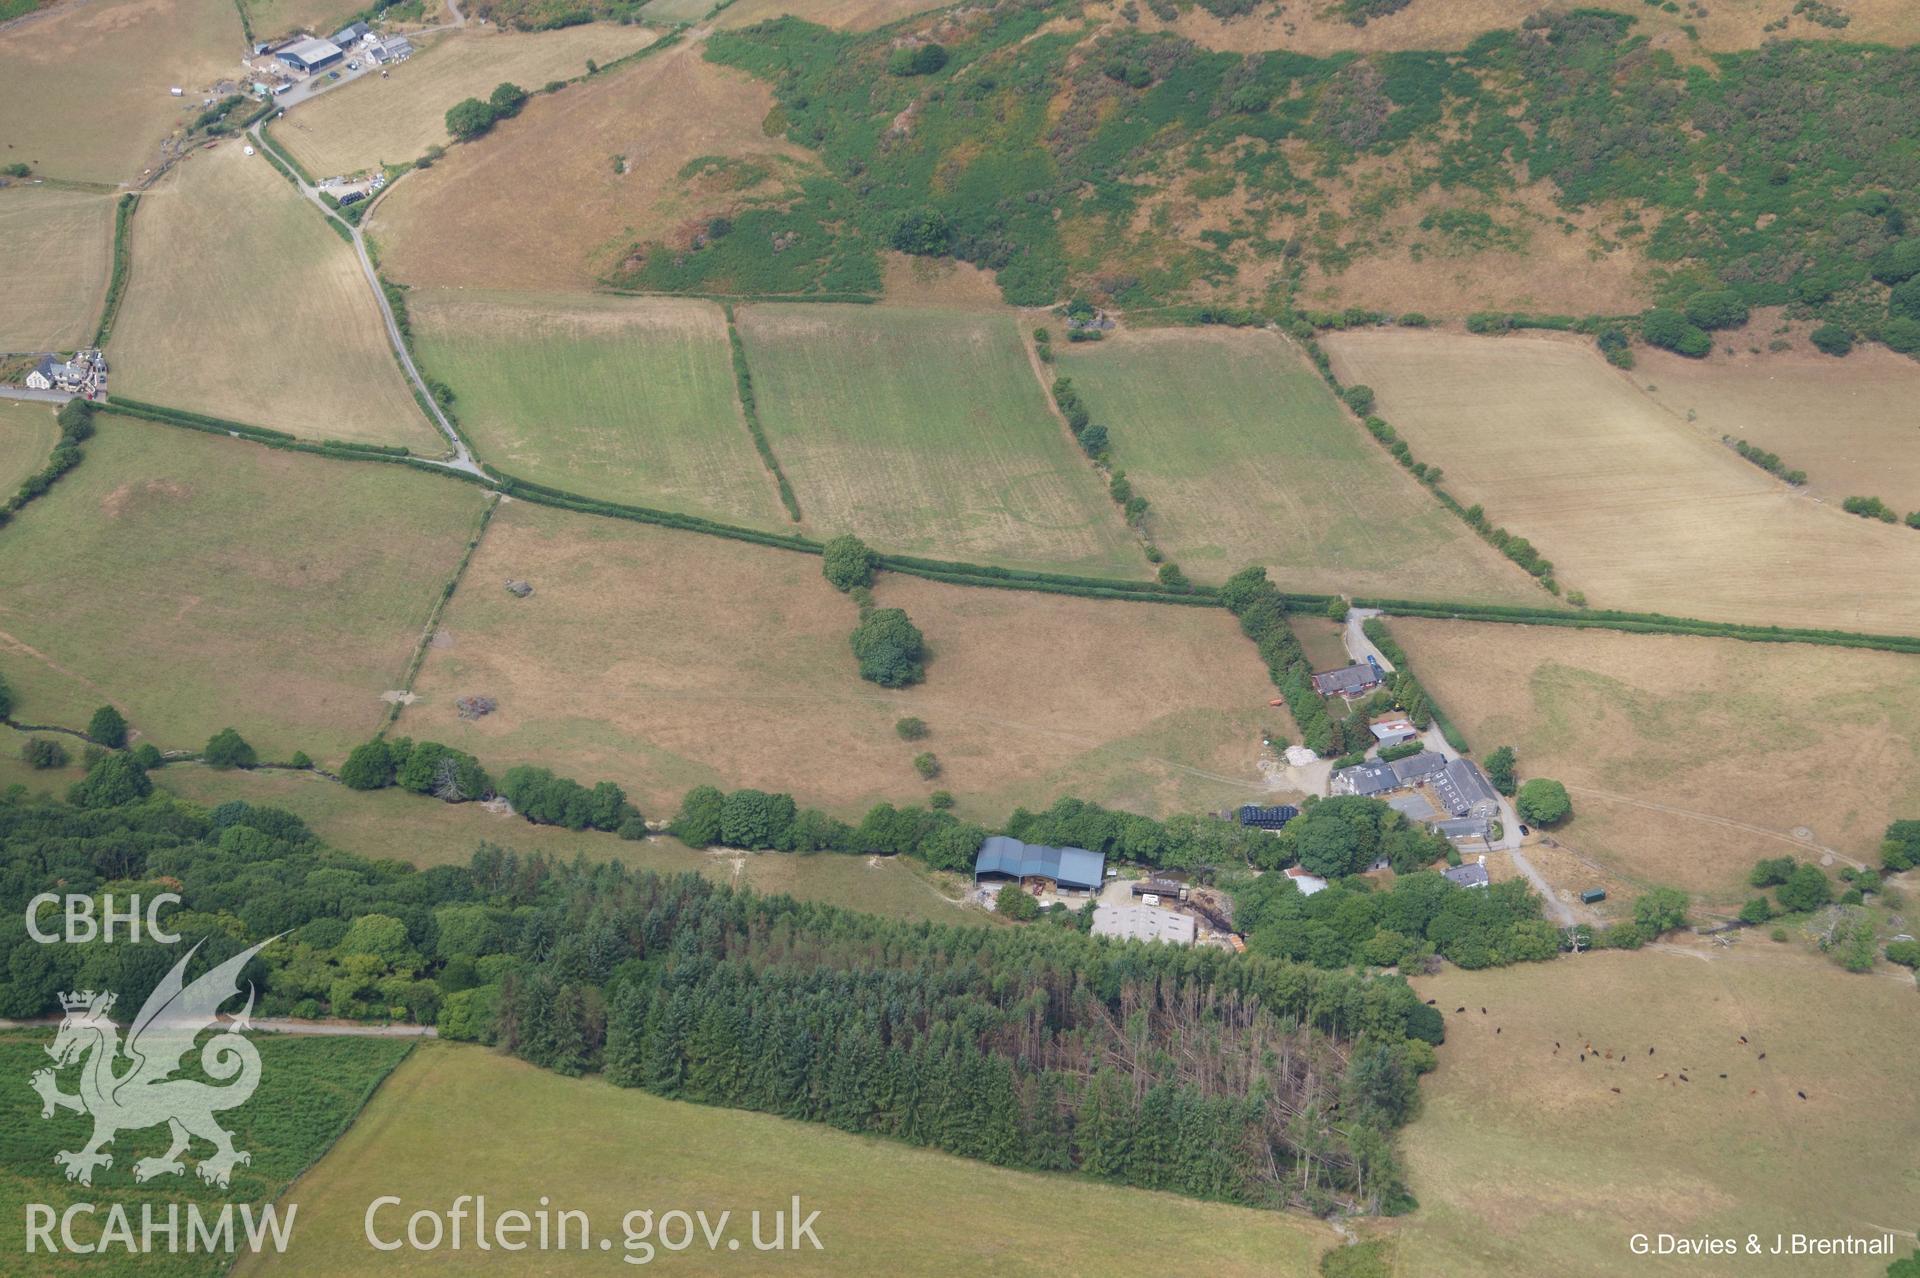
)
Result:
{"points": [[1801, 1095], [1583, 1058], [1496, 1029], [1685, 1079], [1649, 1051], [1660, 1076], [1723, 1076], [1459, 1009], [1483, 1011], [1431, 1002], [1763, 1056], [1743, 1038], [1614, 1090]]}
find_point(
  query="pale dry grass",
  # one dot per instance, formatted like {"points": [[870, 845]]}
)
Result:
{"points": [[1633, 506], [1746, 742], [937, 281], [663, 660], [1849, 423], [464, 222], [83, 87], [199, 582], [56, 248], [845, 15], [394, 120], [27, 435], [243, 304], [1529, 1162], [1316, 26]]}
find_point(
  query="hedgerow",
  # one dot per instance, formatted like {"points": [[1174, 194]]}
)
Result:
{"points": [[123, 211], [750, 408]]}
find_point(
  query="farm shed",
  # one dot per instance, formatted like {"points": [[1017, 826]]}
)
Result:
{"points": [[310, 55], [1142, 923], [1392, 732], [351, 34], [1002, 858], [1464, 828], [1260, 817], [1347, 681]]}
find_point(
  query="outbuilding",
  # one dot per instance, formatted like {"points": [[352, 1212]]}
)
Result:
{"points": [[1002, 859], [1393, 732], [1348, 681], [310, 55], [1467, 876]]}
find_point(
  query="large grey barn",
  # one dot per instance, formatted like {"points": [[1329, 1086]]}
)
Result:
{"points": [[1005, 859]]}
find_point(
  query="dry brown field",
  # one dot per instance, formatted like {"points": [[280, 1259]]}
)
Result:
{"points": [[1528, 1161], [1688, 759], [243, 304], [664, 660], [1634, 507], [376, 121], [83, 86], [270, 18], [56, 248], [1849, 423], [463, 223], [1317, 27], [847, 15], [224, 584]]}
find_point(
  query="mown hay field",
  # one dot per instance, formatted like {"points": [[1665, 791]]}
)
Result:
{"points": [[1634, 508], [310, 1090], [926, 433], [664, 660], [56, 248], [397, 825], [1689, 759], [463, 223], [1848, 423], [27, 434], [628, 399], [244, 304], [1248, 458], [459, 1119], [394, 120], [84, 93], [1528, 1162], [199, 583]]}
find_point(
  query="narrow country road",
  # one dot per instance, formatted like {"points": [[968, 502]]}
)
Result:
{"points": [[462, 460], [38, 396]]}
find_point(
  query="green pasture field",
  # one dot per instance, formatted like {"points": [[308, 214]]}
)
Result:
{"points": [[627, 399], [463, 1120], [926, 432], [1248, 458], [43, 307], [311, 1088], [1528, 1161], [199, 583], [408, 827], [27, 434]]}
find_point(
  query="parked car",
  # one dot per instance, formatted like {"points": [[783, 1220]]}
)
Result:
{"points": [[353, 66]]}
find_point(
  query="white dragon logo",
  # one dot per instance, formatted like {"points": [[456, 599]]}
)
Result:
{"points": [[146, 1094]]}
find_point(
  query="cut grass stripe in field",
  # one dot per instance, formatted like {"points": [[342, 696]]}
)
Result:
{"points": [[199, 582], [243, 304], [459, 1119], [627, 399], [926, 433], [1248, 458]]}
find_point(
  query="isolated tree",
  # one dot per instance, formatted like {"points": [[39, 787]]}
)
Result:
{"points": [[926, 765], [1717, 308], [507, 98], [1670, 330], [369, 767], [1660, 910], [846, 561], [1543, 802], [910, 728], [697, 824], [1756, 911], [1832, 339], [1807, 888], [113, 782], [1771, 871], [890, 648], [41, 753], [228, 749], [469, 119], [1014, 903], [1499, 767], [1900, 847], [108, 728]]}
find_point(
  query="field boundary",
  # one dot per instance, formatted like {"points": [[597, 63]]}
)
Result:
{"points": [[750, 409], [439, 609], [968, 574], [123, 211]]}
